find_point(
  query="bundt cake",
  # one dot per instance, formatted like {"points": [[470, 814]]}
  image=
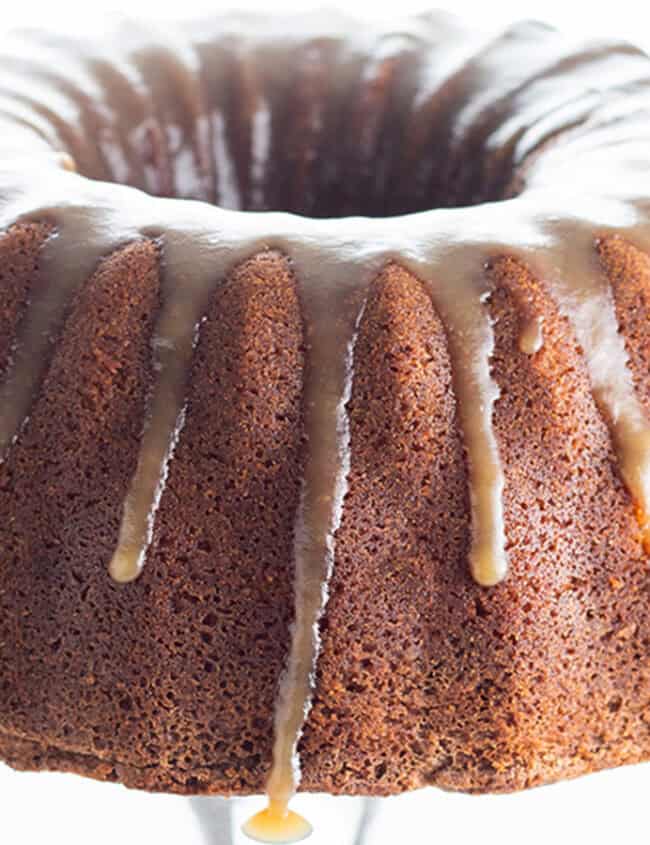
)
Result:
{"points": [[325, 380]]}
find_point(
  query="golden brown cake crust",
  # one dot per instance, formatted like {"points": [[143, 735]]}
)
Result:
{"points": [[424, 678], [176, 677]]}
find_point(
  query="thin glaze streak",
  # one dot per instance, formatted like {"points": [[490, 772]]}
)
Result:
{"points": [[319, 515], [36, 337], [260, 147], [327, 392], [228, 193], [585, 296], [174, 341], [461, 305]]}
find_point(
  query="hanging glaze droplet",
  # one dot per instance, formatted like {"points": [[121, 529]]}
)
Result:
{"points": [[277, 824]]}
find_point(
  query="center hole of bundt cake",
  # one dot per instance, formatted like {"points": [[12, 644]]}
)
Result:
{"points": [[253, 162], [328, 180]]}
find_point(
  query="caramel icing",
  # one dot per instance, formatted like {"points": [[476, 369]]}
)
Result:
{"points": [[201, 116], [184, 303], [327, 391]]}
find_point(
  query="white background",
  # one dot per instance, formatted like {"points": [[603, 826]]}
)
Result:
{"points": [[606, 808], [623, 18]]}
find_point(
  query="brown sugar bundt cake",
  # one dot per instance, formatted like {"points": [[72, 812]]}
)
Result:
{"points": [[325, 374]]}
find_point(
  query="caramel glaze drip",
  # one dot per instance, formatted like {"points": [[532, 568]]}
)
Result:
{"points": [[33, 347], [185, 298], [214, 144], [330, 351], [460, 302]]}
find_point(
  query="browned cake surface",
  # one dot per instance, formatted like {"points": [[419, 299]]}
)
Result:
{"points": [[424, 678], [168, 683]]}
